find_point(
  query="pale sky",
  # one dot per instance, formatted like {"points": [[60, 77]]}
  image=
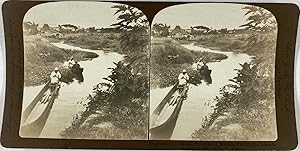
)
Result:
{"points": [[212, 15], [100, 14], [84, 14]]}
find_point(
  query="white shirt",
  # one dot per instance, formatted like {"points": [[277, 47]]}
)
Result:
{"points": [[183, 78], [200, 64], [55, 76], [71, 63]]}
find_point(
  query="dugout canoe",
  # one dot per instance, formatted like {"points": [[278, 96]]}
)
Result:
{"points": [[163, 130], [33, 126]]}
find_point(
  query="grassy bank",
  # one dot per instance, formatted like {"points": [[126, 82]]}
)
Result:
{"points": [[118, 114], [95, 41], [41, 58], [168, 59], [242, 43], [223, 42], [244, 110], [117, 108]]}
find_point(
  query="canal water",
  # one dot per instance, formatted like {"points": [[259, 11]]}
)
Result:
{"points": [[72, 96], [199, 102]]}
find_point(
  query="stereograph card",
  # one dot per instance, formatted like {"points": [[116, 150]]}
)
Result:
{"points": [[149, 75]]}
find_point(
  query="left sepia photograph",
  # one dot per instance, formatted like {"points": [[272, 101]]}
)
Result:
{"points": [[85, 71]]}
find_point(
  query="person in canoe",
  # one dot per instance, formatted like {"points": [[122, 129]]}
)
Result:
{"points": [[71, 62], [205, 71], [76, 68], [203, 68], [200, 64], [55, 78], [54, 81], [181, 87], [182, 82]]}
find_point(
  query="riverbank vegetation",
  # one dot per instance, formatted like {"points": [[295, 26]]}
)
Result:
{"points": [[245, 109], [238, 42], [169, 58], [41, 58], [118, 108], [91, 40]]}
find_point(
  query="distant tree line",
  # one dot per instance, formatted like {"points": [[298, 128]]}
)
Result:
{"points": [[164, 30], [123, 97], [32, 28], [249, 101]]}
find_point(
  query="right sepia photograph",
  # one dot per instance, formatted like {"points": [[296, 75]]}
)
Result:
{"points": [[212, 73]]}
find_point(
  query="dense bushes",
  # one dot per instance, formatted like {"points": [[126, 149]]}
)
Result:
{"points": [[41, 58], [168, 59], [251, 44], [244, 111], [118, 108], [78, 55], [122, 102], [94, 41], [224, 42]]}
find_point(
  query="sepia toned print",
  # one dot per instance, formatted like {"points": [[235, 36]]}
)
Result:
{"points": [[86, 71], [92, 70], [212, 73], [210, 77]]}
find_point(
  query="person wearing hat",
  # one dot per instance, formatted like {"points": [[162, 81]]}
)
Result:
{"points": [[183, 77], [54, 77], [71, 62], [200, 64], [182, 80]]}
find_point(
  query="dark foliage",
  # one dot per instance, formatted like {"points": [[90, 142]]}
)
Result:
{"points": [[168, 59], [160, 30], [122, 100], [99, 41], [134, 28], [248, 104], [259, 19], [41, 58]]}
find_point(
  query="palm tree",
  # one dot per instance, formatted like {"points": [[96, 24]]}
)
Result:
{"points": [[130, 18], [161, 29], [30, 28], [134, 38], [134, 28], [259, 19]]}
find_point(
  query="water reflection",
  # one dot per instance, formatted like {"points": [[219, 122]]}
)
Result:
{"points": [[79, 78], [208, 80], [164, 118], [73, 96], [200, 100]]}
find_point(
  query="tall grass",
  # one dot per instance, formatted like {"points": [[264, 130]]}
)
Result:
{"points": [[95, 41], [169, 58], [41, 58], [245, 110]]}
